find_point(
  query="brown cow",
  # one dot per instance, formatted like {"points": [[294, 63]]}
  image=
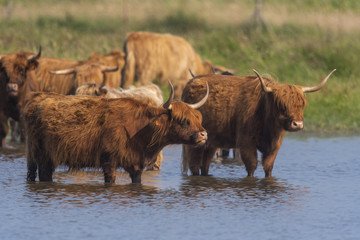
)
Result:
{"points": [[84, 131], [87, 72], [14, 70], [250, 113], [162, 57], [114, 58], [150, 94]]}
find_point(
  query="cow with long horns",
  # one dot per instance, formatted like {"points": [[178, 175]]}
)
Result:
{"points": [[251, 113], [84, 131]]}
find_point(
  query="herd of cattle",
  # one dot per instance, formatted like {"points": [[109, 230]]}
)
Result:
{"points": [[88, 113]]}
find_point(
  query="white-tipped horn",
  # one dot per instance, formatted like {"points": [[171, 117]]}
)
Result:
{"points": [[63, 71], [108, 68], [264, 87], [35, 56], [202, 101], [318, 87], [167, 104]]}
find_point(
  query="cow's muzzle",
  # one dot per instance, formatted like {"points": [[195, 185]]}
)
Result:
{"points": [[200, 138], [296, 126], [12, 88]]}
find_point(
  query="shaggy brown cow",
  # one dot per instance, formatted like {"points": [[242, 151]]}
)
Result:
{"points": [[150, 94], [250, 113], [114, 58], [162, 57], [84, 131], [14, 70]]}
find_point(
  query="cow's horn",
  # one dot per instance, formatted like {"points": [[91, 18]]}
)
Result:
{"points": [[192, 74], [318, 87], [108, 68], [167, 104], [34, 57], [64, 71], [202, 101], [264, 87], [213, 68]]}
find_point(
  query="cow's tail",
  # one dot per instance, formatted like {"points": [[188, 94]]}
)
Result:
{"points": [[185, 161], [128, 72]]}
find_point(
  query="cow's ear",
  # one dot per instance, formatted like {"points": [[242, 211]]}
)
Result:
{"points": [[32, 64]]}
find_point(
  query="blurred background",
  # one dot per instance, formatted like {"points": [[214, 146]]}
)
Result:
{"points": [[296, 42]]}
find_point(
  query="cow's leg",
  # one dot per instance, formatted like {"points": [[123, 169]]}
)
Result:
{"points": [[4, 128], [135, 175], [249, 157], [14, 130], [192, 158], [207, 157], [46, 169], [268, 163], [31, 167], [268, 158], [109, 168]]}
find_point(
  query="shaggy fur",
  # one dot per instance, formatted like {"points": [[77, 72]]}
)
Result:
{"points": [[82, 131], [239, 114], [161, 57], [150, 94]]}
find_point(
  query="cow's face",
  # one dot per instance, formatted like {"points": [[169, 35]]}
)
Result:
{"points": [[185, 125], [289, 104], [15, 68], [289, 101], [89, 73]]}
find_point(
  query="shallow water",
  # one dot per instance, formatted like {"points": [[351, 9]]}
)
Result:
{"points": [[314, 194]]}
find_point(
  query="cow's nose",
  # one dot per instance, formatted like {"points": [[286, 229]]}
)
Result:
{"points": [[297, 125], [12, 87], [203, 134]]}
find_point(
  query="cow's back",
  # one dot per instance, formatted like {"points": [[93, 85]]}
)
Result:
{"points": [[62, 84], [227, 105], [161, 56]]}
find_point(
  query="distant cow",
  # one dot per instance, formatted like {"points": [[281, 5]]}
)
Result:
{"points": [[250, 113], [84, 131], [150, 94], [161, 57], [87, 73], [114, 58]]}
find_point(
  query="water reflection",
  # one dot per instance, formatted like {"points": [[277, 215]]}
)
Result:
{"points": [[259, 190]]}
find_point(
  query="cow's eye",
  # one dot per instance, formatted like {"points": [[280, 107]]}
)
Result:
{"points": [[185, 123]]}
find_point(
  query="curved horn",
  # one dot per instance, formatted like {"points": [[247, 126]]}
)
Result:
{"points": [[264, 87], [213, 69], [318, 87], [167, 104], [192, 74], [108, 68], [64, 71], [34, 57], [202, 101]]}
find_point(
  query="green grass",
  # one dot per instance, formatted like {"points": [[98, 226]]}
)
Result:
{"points": [[294, 53]]}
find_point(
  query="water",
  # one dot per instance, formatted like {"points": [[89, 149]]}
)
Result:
{"points": [[314, 194]]}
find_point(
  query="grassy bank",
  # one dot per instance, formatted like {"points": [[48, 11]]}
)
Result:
{"points": [[294, 49]]}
